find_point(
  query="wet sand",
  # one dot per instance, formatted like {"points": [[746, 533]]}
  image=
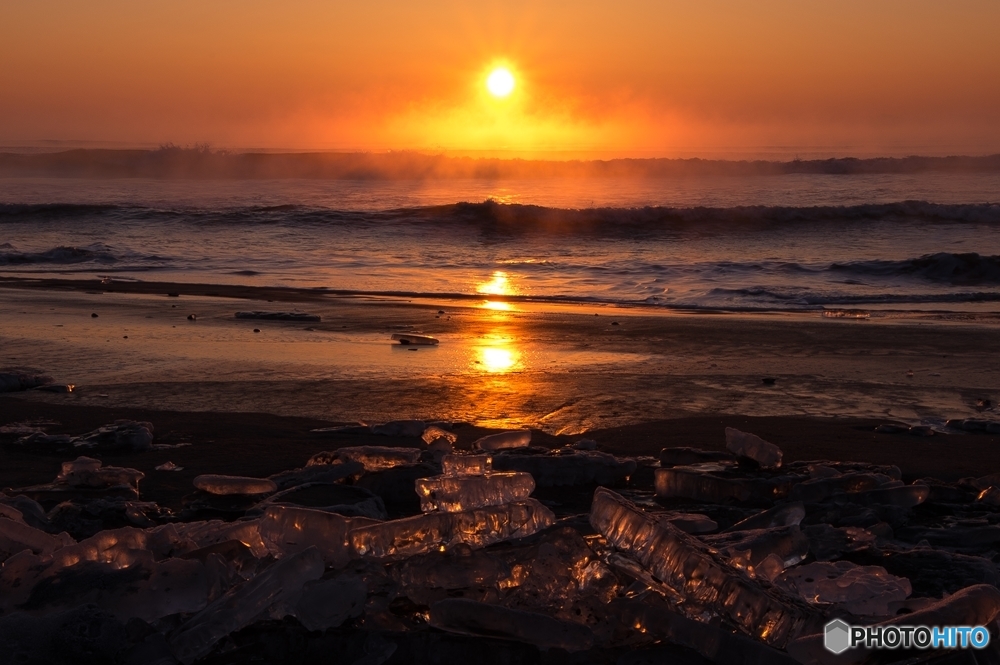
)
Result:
{"points": [[247, 400]]}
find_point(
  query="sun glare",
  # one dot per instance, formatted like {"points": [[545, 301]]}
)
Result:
{"points": [[500, 82], [499, 285], [497, 360]]}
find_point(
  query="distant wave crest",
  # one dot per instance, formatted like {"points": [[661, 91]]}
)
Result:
{"points": [[490, 214], [780, 298], [494, 217]]}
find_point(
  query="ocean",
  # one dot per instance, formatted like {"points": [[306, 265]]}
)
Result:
{"points": [[882, 243]]}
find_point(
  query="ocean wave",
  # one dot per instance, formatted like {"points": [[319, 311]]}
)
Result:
{"points": [[498, 216], [94, 254], [779, 297], [969, 269], [491, 216], [32, 211], [62, 255]]}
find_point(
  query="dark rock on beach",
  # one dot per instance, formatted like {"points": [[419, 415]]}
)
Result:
{"points": [[279, 316]]}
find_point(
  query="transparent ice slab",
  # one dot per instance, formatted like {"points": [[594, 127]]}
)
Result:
{"points": [[454, 493], [477, 528]]}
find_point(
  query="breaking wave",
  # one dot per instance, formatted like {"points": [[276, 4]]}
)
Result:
{"points": [[491, 216], [97, 255], [943, 267], [62, 255]]}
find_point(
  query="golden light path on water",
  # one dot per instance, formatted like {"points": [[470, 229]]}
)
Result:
{"points": [[498, 354]]}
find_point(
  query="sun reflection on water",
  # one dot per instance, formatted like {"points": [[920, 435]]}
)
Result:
{"points": [[497, 359], [497, 305], [498, 285]]}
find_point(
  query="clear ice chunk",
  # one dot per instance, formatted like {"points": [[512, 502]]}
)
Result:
{"points": [[240, 606], [433, 433], [906, 496], [823, 468], [453, 494], [474, 465], [325, 474], [224, 485], [11, 513], [326, 604], [400, 428], [458, 568], [88, 472], [78, 465], [518, 438], [373, 458], [468, 617], [976, 605], [146, 589], [686, 456], [704, 581], [788, 543], [576, 468], [827, 543], [716, 644], [816, 490], [31, 511], [989, 496], [287, 530], [985, 482], [787, 514], [694, 483], [744, 444], [690, 522], [563, 575], [121, 547], [861, 590], [213, 532], [16, 536], [478, 527], [123, 435]]}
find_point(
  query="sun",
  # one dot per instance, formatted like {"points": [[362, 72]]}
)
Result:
{"points": [[500, 82]]}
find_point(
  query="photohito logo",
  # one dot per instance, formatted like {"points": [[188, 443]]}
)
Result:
{"points": [[839, 636]]}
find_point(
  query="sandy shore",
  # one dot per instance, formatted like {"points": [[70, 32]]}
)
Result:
{"points": [[564, 371]]}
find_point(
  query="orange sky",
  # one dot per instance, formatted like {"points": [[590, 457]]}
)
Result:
{"points": [[643, 78]]}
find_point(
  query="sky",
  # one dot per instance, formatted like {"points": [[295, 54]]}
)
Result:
{"points": [[621, 78]]}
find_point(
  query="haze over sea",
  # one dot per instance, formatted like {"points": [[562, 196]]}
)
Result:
{"points": [[880, 241]]}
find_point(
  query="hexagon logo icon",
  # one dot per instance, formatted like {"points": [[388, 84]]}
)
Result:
{"points": [[837, 636]]}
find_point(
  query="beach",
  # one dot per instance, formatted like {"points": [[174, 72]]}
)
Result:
{"points": [[655, 431], [633, 379]]}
